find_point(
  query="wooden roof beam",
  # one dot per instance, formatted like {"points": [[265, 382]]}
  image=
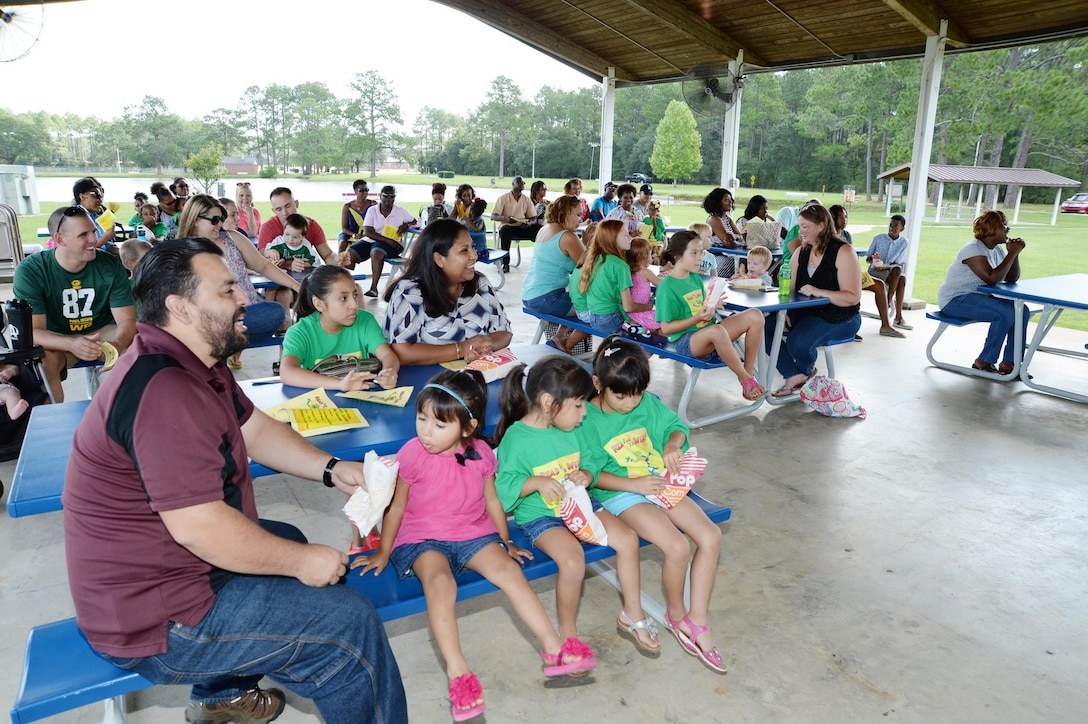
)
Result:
{"points": [[537, 36], [676, 17], [926, 15]]}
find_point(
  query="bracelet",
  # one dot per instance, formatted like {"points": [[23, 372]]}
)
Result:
{"points": [[327, 476], [457, 347]]}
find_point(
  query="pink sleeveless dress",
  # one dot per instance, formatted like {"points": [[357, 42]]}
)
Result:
{"points": [[641, 292]]}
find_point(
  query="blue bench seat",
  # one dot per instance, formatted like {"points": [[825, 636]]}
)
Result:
{"points": [[946, 321]]}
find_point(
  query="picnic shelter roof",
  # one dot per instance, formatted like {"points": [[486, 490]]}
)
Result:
{"points": [[650, 41], [985, 175]]}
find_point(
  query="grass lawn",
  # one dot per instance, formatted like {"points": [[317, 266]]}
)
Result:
{"points": [[1051, 250]]}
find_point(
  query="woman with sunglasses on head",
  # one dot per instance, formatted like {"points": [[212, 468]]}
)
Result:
{"points": [[203, 217], [249, 218]]}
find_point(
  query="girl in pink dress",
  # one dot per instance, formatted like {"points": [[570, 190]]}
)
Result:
{"points": [[446, 517], [643, 280]]}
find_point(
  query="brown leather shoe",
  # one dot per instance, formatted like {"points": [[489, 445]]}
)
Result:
{"points": [[256, 706]]}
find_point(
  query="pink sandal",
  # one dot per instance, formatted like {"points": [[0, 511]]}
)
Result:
{"points": [[711, 658], [464, 691], [575, 658], [682, 637], [751, 389]]}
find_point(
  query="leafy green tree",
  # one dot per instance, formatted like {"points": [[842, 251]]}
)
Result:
{"points": [[503, 114], [676, 153], [228, 127], [22, 141], [206, 166], [153, 129], [318, 127], [376, 114]]}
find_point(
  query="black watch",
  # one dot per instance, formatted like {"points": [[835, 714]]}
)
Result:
{"points": [[326, 477]]}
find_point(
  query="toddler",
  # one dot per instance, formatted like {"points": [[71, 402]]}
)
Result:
{"points": [[9, 393], [642, 282], [446, 517], [476, 228], [759, 261], [131, 252], [291, 250], [708, 264]]}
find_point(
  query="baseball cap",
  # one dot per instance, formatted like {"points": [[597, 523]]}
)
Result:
{"points": [[609, 185], [646, 189]]}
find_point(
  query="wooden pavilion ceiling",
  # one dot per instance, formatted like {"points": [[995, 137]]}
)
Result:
{"points": [[649, 41]]}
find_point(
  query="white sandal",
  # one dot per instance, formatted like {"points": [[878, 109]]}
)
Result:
{"points": [[626, 626]]}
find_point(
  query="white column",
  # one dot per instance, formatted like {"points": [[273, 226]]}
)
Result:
{"points": [[731, 131], [1057, 207], [940, 202], [1016, 211], [608, 131], [932, 68]]}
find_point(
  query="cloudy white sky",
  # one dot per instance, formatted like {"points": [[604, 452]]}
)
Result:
{"points": [[97, 56]]}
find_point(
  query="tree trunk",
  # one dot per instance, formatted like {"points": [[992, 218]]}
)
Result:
{"points": [[883, 160], [502, 154], [868, 159], [995, 161], [980, 151], [1023, 146]]}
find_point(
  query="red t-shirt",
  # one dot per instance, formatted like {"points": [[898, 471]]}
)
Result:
{"points": [[274, 227], [163, 433]]}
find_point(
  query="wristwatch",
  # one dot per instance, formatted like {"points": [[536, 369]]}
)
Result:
{"points": [[327, 476]]}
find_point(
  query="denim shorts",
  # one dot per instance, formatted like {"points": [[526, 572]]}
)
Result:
{"points": [[363, 249], [537, 527], [458, 553], [583, 316], [556, 303], [619, 503], [607, 322], [683, 346]]}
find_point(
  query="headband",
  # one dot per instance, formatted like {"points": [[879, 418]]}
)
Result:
{"points": [[452, 394]]}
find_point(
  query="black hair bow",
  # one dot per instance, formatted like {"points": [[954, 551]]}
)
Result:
{"points": [[470, 454]]}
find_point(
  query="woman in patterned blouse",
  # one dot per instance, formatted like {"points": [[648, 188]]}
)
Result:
{"points": [[441, 308]]}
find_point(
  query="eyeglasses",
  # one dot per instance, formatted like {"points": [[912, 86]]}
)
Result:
{"points": [[389, 196], [242, 183], [213, 220], [95, 194]]}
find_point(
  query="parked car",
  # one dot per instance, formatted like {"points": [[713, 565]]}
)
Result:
{"points": [[638, 178], [1076, 205]]}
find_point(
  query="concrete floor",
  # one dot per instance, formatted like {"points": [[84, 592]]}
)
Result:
{"points": [[926, 564]]}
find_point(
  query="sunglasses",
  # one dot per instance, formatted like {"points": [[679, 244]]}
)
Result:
{"points": [[95, 194], [69, 212], [213, 220], [389, 196], [242, 183]]}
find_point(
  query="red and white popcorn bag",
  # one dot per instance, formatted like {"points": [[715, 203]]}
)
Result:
{"points": [[577, 513], [679, 484], [366, 506]]}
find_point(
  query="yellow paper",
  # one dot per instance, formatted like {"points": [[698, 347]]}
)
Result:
{"points": [[317, 421], [646, 231], [454, 365], [392, 232], [315, 399], [109, 356], [397, 397]]}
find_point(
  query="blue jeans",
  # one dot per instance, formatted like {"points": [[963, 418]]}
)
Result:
{"points": [[325, 644], [556, 303], [797, 356], [479, 241], [263, 320], [607, 322], [1000, 313]]}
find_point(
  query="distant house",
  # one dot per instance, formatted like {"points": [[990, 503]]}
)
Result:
{"points": [[241, 165]]}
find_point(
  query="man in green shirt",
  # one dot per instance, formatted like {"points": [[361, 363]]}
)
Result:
{"points": [[81, 297]]}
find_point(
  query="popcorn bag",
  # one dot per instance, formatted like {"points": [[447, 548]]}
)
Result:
{"points": [[577, 513], [679, 484], [366, 506]]}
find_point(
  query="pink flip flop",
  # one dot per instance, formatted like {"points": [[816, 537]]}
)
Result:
{"points": [[583, 659], [464, 690]]}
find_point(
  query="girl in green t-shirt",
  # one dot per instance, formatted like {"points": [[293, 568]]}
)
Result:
{"points": [[688, 320], [537, 450], [636, 441], [604, 278]]}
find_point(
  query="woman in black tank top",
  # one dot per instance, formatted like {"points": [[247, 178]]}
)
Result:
{"points": [[824, 266]]}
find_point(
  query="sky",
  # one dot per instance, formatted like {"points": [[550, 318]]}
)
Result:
{"points": [[108, 54]]}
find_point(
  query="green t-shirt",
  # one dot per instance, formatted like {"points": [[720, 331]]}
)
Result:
{"points": [[309, 343], [628, 445], [793, 233], [529, 451], [680, 299], [77, 303], [306, 251], [612, 277], [577, 299]]}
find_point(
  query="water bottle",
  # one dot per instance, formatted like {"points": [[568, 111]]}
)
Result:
{"points": [[20, 323], [785, 277], [141, 232]]}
